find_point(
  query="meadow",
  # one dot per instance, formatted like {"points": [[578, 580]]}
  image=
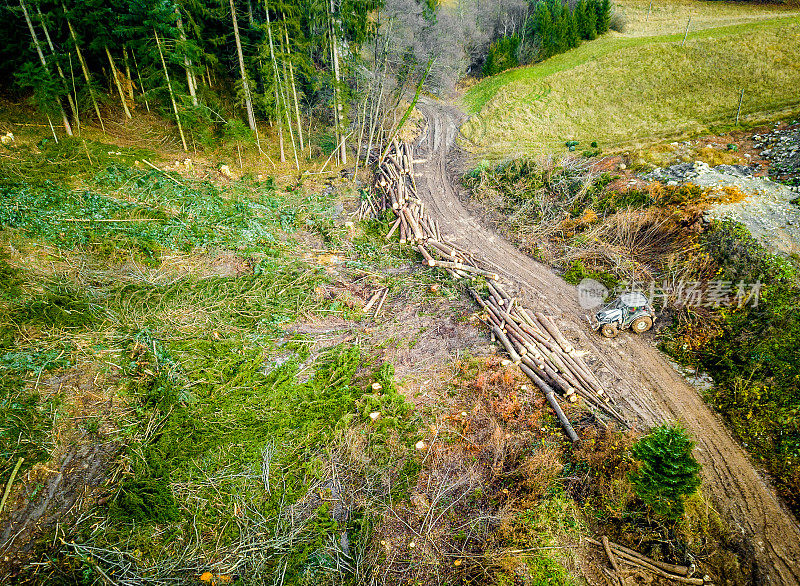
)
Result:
{"points": [[623, 90]]}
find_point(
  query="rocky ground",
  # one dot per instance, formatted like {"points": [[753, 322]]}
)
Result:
{"points": [[782, 148], [770, 207]]}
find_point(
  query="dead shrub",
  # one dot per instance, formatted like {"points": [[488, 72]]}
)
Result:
{"points": [[540, 471], [482, 467], [631, 242]]}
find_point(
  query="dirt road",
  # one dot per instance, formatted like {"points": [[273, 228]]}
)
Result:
{"points": [[637, 375]]}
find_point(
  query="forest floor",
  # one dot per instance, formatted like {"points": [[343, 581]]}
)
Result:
{"points": [[643, 381]]}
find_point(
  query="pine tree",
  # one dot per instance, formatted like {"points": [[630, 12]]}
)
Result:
{"points": [[591, 20], [603, 16], [668, 471], [585, 19], [562, 27], [572, 28], [52, 91], [543, 30]]}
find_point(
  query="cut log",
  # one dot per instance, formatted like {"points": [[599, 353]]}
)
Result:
{"points": [[495, 293], [382, 301], [372, 300], [515, 357], [465, 267], [612, 559], [551, 398], [428, 258], [673, 568], [502, 292], [553, 330]]}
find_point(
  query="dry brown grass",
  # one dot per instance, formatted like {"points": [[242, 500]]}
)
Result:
{"points": [[489, 455]]}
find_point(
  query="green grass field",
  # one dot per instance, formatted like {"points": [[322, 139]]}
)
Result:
{"points": [[627, 89]]}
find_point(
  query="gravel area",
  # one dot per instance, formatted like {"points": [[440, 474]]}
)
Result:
{"points": [[768, 210]]}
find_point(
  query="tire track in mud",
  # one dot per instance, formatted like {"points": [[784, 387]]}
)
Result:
{"points": [[636, 374]]}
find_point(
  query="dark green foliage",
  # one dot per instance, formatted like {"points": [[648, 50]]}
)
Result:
{"points": [[554, 27], [502, 55], [59, 306], [586, 19], [46, 90], [145, 499], [25, 418], [573, 38], [603, 10], [541, 27], [668, 472], [196, 38], [753, 357]]}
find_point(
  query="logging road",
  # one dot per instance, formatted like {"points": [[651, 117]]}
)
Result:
{"points": [[636, 374]]}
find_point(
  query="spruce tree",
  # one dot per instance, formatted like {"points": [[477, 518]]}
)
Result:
{"points": [[572, 30], [603, 16], [668, 471], [591, 20], [543, 30], [580, 18]]}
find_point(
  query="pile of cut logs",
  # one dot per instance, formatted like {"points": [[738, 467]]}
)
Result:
{"points": [[619, 554], [532, 340]]}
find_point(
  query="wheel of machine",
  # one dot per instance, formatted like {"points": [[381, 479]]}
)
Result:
{"points": [[641, 324], [609, 330]]}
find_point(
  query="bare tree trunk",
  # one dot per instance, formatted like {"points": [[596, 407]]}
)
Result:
{"points": [[129, 81], [294, 90], [408, 111], [141, 83], [85, 70], [72, 103], [171, 93], [67, 126], [187, 63], [337, 98], [276, 81], [288, 116], [118, 83], [248, 102], [368, 116]]}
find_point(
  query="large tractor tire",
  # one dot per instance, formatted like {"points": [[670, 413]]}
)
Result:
{"points": [[641, 324], [609, 330]]}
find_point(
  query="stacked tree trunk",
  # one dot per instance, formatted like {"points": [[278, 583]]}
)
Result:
{"points": [[531, 339]]}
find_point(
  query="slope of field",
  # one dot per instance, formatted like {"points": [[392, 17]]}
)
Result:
{"points": [[663, 17], [621, 90]]}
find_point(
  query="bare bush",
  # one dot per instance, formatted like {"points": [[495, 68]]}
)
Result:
{"points": [[618, 21], [457, 37]]}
